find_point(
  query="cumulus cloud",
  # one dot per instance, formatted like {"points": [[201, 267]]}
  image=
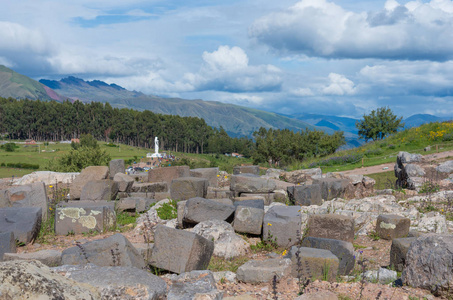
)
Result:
{"points": [[339, 85], [228, 69], [320, 28]]}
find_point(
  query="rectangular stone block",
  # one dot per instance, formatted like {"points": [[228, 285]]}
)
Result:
{"points": [[282, 224], [305, 195], [198, 209], [332, 187], [51, 258], [150, 187], [255, 170], [82, 216], [314, 263], [184, 188], [24, 222], [398, 252], [331, 226], [7, 243], [248, 220], [28, 195], [180, 251], [207, 173], [87, 175], [97, 190], [124, 182], [116, 166], [390, 227], [134, 204], [249, 183], [167, 174]]}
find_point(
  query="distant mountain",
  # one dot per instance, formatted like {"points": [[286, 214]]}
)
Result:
{"points": [[419, 119], [18, 86], [236, 120]]}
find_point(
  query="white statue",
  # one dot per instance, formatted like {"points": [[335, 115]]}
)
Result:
{"points": [[156, 145]]}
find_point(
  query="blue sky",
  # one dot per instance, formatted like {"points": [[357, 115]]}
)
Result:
{"points": [[339, 57]]}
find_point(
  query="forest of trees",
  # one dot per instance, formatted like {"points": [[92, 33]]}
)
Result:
{"points": [[55, 121]]}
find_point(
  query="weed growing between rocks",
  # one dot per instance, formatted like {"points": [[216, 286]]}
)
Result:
{"points": [[274, 288], [168, 210], [362, 262], [218, 264]]}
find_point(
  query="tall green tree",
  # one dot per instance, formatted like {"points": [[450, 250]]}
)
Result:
{"points": [[378, 124]]}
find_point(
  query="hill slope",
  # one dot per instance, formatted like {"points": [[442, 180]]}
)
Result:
{"points": [[18, 86], [236, 120]]}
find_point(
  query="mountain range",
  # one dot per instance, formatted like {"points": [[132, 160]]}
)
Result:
{"points": [[236, 120]]}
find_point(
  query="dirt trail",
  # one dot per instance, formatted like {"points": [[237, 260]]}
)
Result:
{"points": [[389, 166]]}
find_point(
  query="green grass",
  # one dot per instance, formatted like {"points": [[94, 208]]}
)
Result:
{"points": [[384, 180], [218, 264]]}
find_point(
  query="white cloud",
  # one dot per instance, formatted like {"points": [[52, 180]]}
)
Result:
{"points": [[320, 28], [301, 92], [339, 85]]}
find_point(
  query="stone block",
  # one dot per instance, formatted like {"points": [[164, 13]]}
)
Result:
{"points": [[248, 219], [115, 250], [249, 183], [24, 222], [398, 252], [51, 258], [145, 250], [184, 188], [316, 263], [124, 182], [150, 187], [207, 173], [199, 209], [87, 175], [180, 251], [250, 198], [97, 190], [331, 226], [116, 166], [332, 187], [28, 195], [180, 208], [390, 227], [445, 167], [282, 224], [305, 195], [194, 285], [218, 193], [261, 271], [344, 251], [167, 174], [7, 243], [134, 204], [256, 203], [255, 170], [84, 216]]}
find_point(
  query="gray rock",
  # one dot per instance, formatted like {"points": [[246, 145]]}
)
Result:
{"points": [[194, 285], [332, 187], [29, 195], [227, 243], [7, 243], [390, 227], [252, 197], [429, 264], [398, 252], [116, 166], [300, 176], [50, 258], [255, 170], [331, 226], [145, 250], [84, 216], [248, 219], [167, 174], [305, 195], [199, 209], [445, 167], [152, 188], [344, 251], [259, 271], [115, 250], [383, 276], [273, 173], [207, 173], [122, 282], [124, 182], [256, 203], [33, 280], [248, 183], [184, 188], [316, 263], [226, 276], [134, 204], [99, 190], [318, 295], [282, 224], [406, 157], [414, 170], [24, 222], [180, 251], [87, 175]]}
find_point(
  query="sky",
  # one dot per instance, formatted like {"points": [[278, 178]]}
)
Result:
{"points": [[332, 57]]}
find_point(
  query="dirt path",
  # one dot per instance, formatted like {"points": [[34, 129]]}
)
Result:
{"points": [[389, 166]]}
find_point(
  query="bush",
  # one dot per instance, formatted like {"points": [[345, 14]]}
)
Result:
{"points": [[168, 210], [338, 160], [111, 145], [78, 159], [21, 166], [9, 147], [373, 152]]}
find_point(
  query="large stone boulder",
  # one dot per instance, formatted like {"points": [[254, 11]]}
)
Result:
{"points": [[305, 195], [50, 258], [207, 173], [249, 183], [34, 280], [87, 175], [194, 285], [259, 271], [116, 166], [390, 227], [180, 251], [331, 226], [429, 264], [300, 176], [255, 170], [125, 283], [227, 243], [282, 224], [332, 187], [184, 188], [29, 195], [445, 167], [47, 177], [311, 263], [84, 216], [199, 209], [24, 222], [98, 190], [7, 243], [124, 182], [248, 219], [115, 250], [341, 249], [398, 252], [134, 204], [152, 188], [406, 157], [167, 174]]}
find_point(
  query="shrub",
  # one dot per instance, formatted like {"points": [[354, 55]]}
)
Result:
{"points": [[168, 210], [338, 160], [373, 152]]}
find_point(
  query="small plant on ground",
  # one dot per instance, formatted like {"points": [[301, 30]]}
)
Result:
{"points": [[168, 210], [374, 236], [268, 245], [218, 264]]}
